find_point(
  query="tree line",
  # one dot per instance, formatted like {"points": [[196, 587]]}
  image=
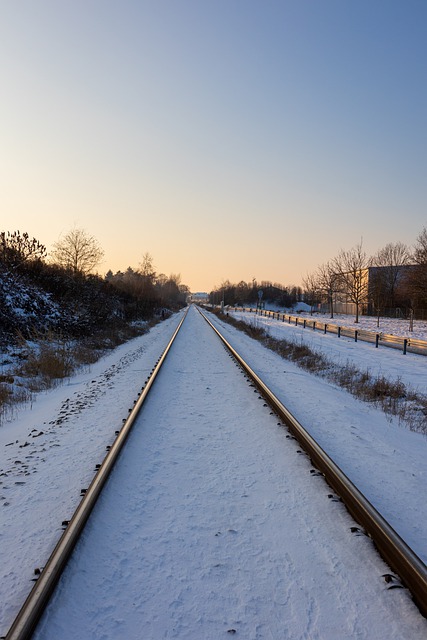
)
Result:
{"points": [[394, 278], [66, 296], [252, 292]]}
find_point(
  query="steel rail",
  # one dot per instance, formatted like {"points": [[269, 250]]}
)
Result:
{"points": [[394, 550], [38, 598]]}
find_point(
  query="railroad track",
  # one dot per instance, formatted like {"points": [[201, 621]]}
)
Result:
{"points": [[401, 559]]}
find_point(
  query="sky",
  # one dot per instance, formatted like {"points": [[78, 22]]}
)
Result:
{"points": [[230, 139]]}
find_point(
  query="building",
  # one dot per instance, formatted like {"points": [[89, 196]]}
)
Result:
{"points": [[375, 290], [199, 298]]}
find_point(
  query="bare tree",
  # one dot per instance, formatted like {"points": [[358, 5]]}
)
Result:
{"points": [[312, 293], [352, 269], [420, 249], [77, 251], [378, 291], [392, 260], [147, 267], [170, 289], [241, 292], [17, 248], [328, 283], [417, 280]]}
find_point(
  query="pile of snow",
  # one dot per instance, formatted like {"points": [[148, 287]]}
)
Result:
{"points": [[301, 306]]}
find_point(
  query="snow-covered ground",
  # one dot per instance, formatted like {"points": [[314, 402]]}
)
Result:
{"points": [[410, 368], [214, 491], [385, 460], [48, 453], [390, 326]]}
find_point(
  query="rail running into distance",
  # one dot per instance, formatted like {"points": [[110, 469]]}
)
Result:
{"points": [[399, 556], [38, 598], [411, 570]]}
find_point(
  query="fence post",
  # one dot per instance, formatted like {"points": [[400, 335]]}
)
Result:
{"points": [[355, 335], [289, 319], [405, 344], [326, 326], [314, 325], [304, 322], [339, 332], [377, 338], [296, 322]]}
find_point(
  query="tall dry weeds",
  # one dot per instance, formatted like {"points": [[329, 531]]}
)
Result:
{"points": [[392, 397], [46, 359]]}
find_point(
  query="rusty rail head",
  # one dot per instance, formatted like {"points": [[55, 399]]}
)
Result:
{"points": [[394, 550]]}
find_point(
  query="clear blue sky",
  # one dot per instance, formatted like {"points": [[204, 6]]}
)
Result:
{"points": [[228, 138]]}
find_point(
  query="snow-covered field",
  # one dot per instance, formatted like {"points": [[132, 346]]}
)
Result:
{"points": [[213, 490], [48, 453], [410, 368], [390, 326]]}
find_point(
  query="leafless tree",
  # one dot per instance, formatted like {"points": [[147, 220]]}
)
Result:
{"points": [[147, 269], [378, 291], [352, 269], [170, 289], [327, 282], [420, 249], [77, 251], [241, 292], [392, 260], [17, 248], [312, 293], [417, 280]]}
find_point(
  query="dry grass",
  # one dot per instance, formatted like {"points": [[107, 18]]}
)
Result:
{"points": [[47, 359], [392, 397], [50, 361], [298, 352], [10, 396], [4, 393]]}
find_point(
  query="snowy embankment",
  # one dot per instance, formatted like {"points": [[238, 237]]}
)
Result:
{"points": [[410, 368], [48, 453], [244, 566], [390, 326], [385, 460], [213, 525]]}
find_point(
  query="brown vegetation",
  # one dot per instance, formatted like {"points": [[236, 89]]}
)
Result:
{"points": [[56, 317], [46, 360], [392, 397]]}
